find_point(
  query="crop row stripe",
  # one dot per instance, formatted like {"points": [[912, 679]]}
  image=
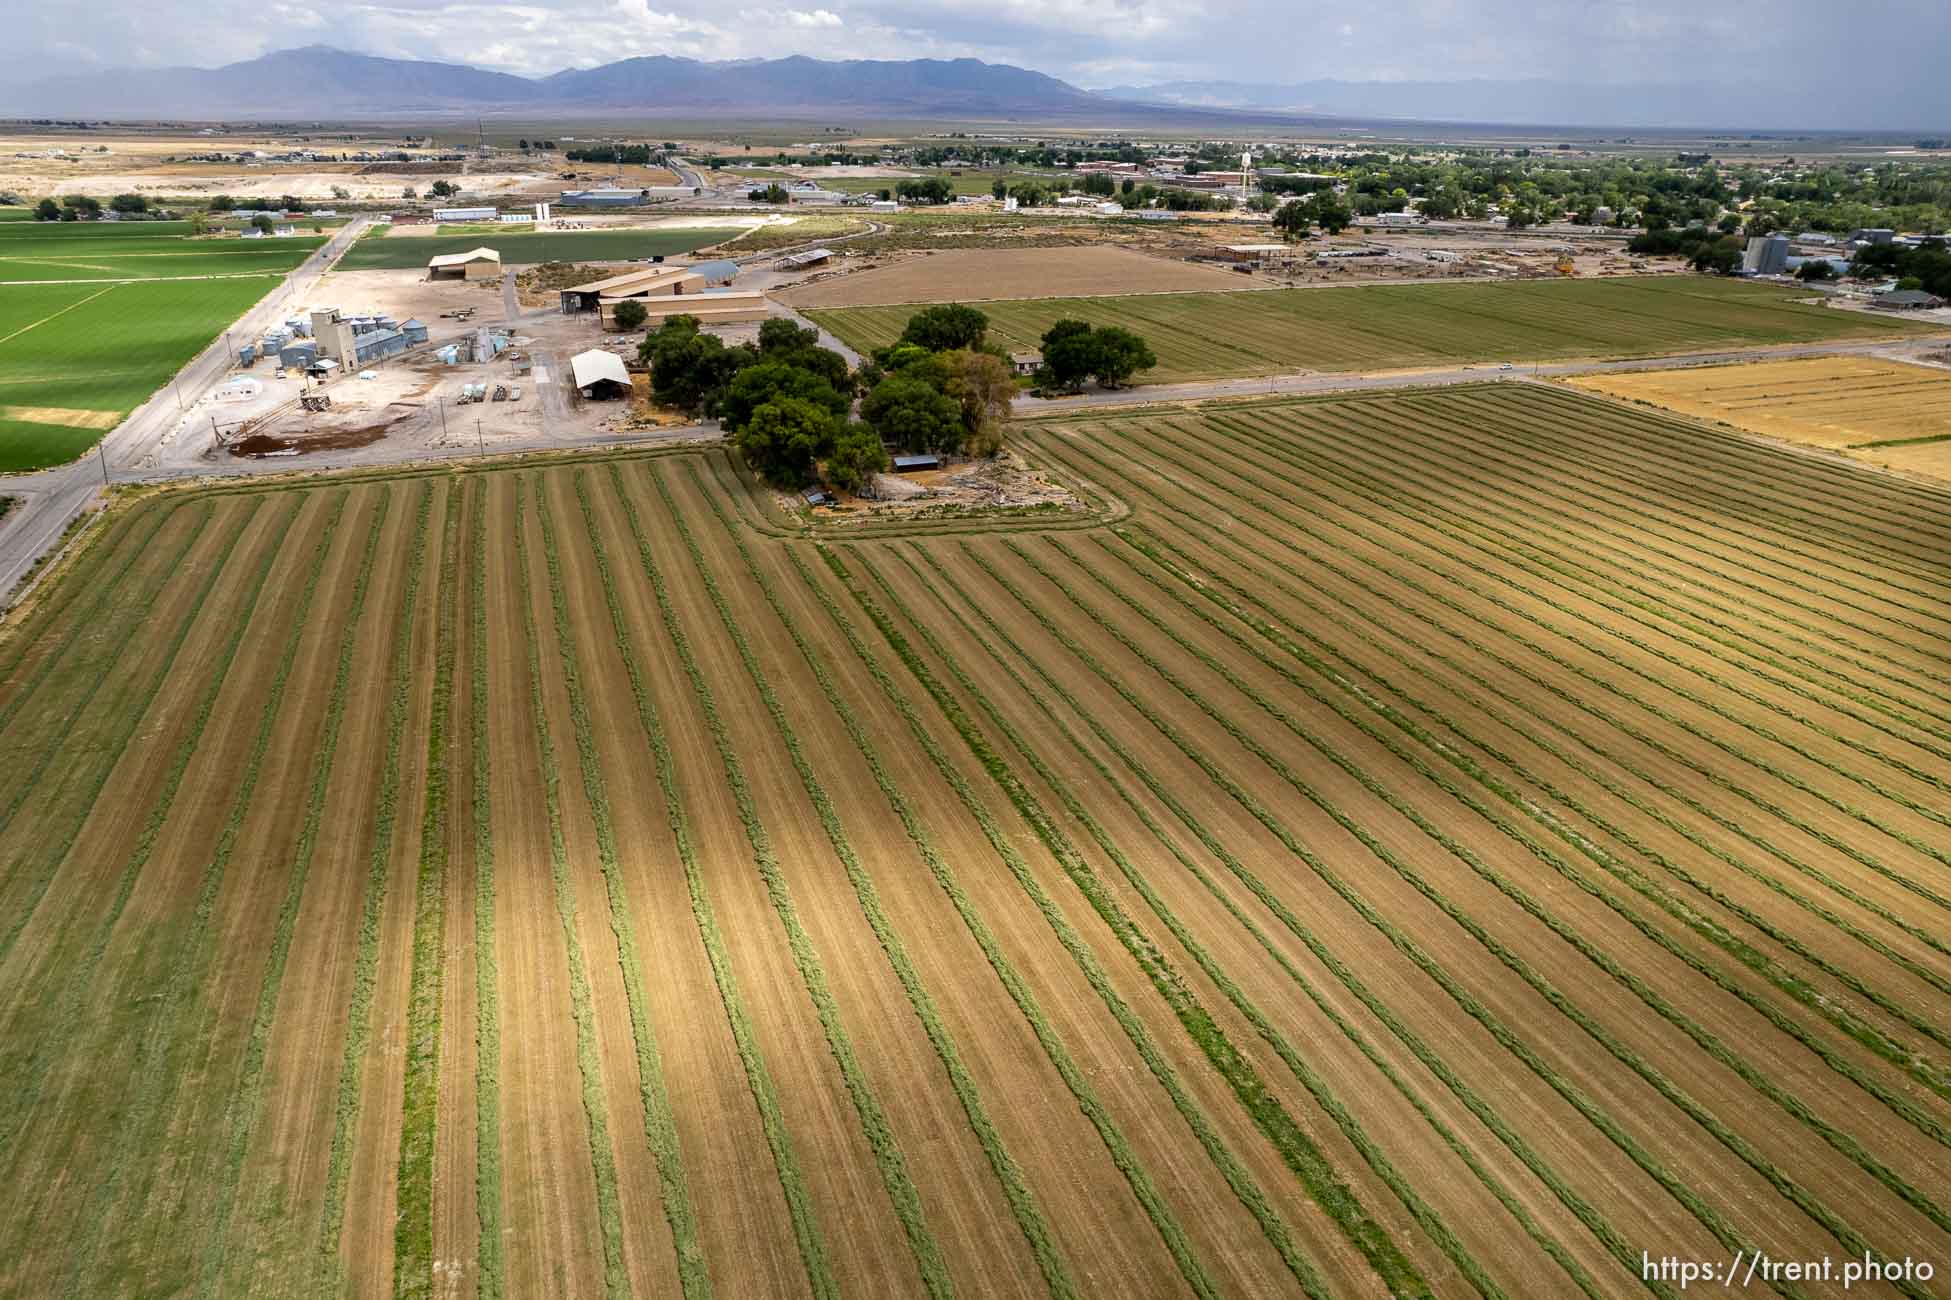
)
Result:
{"points": [[241, 1110], [1621, 1250], [1029, 1218], [1708, 1217], [78, 983], [1668, 579], [602, 1155], [420, 1086], [1194, 523], [1712, 775], [1261, 1105], [1901, 1057], [76, 579], [765, 1093], [489, 1216], [1323, 1183], [1713, 1047], [873, 1117], [1067, 1069], [660, 1128]]}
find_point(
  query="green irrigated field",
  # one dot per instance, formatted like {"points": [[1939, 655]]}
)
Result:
{"points": [[75, 358], [1227, 335], [133, 250], [1427, 844], [401, 252]]}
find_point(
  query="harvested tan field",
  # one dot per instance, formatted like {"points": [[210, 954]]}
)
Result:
{"points": [[1430, 843], [981, 275], [1833, 402]]}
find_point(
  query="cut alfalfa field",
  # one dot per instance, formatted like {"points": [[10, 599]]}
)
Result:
{"points": [[1380, 327], [1428, 843]]}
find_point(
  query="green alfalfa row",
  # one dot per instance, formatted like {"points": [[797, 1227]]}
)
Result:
{"points": [[1067, 1069], [241, 1110], [131, 714], [1311, 1166], [490, 1255], [78, 986], [602, 1156], [765, 1093], [1711, 1046], [420, 1084], [1173, 1235], [379, 865], [1705, 1214], [80, 581], [1716, 777], [873, 1118], [1795, 986], [1495, 575], [1745, 502], [1028, 1216], [1684, 496], [91, 678], [1324, 561], [1193, 1017], [1728, 747], [1655, 592], [1791, 1190], [660, 1128], [76, 579], [1802, 993], [1621, 1250]]}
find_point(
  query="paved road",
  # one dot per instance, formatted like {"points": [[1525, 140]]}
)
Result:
{"points": [[51, 498]]}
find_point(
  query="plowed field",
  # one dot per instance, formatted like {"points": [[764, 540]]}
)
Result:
{"points": [[1425, 844]]}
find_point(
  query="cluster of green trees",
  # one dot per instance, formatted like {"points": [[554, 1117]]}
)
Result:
{"points": [[1324, 208], [1926, 267], [926, 189], [628, 155], [773, 193], [1075, 350], [785, 400], [72, 207]]}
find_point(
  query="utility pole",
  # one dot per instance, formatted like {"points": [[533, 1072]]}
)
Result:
{"points": [[101, 457], [480, 442], [443, 420]]}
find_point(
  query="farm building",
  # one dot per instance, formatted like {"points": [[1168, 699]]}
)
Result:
{"points": [[464, 214], [719, 271], [1906, 300], [1026, 363], [803, 260], [910, 464], [713, 307], [600, 375], [475, 264], [602, 296]]}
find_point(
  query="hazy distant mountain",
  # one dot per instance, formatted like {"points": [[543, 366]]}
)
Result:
{"points": [[318, 81], [1566, 103]]}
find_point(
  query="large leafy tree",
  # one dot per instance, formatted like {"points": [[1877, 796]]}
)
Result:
{"points": [[912, 413], [943, 328], [856, 456], [983, 386], [783, 438], [770, 381], [1120, 355], [1069, 353]]}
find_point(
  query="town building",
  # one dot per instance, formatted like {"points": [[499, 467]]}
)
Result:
{"points": [[475, 264]]}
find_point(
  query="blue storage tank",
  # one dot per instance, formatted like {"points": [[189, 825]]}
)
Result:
{"points": [[247, 355], [298, 354]]}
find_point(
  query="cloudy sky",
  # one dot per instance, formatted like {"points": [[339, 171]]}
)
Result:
{"points": [[1872, 47]]}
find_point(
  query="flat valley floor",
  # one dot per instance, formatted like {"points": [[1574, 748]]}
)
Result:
{"points": [[1439, 843]]}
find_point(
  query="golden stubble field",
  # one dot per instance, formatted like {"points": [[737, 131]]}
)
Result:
{"points": [[1425, 844], [1887, 413]]}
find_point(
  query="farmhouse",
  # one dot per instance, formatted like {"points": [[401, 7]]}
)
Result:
{"points": [[600, 375], [475, 264], [1906, 300]]}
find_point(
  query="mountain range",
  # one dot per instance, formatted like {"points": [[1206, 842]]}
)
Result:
{"points": [[320, 82], [1731, 104]]}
